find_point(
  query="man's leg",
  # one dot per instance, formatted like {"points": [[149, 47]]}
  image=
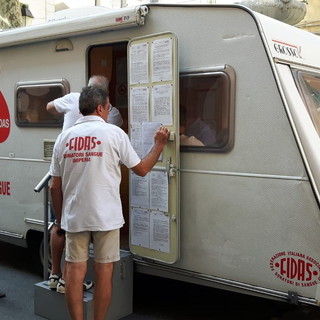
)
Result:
{"points": [[102, 289], [106, 252], [75, 273], [77, 254], [57, 242]]}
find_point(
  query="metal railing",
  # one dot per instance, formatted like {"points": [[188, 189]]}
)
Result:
{"points": [[44, 183]]}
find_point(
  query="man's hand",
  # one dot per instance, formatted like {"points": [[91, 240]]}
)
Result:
{"points": [[161, 136], [58, 230]]}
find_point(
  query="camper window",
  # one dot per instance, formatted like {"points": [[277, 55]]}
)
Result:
{"points": [[206, 111], [309, 86], [31, 100]]}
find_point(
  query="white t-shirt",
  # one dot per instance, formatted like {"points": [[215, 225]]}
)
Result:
{"points": [[69, 105], [87, 157]]}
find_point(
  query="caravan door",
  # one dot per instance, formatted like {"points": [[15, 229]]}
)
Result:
{"points": [[154, 101]]}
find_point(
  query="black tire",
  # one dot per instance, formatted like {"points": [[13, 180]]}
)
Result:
{"points": [[36, 247]]}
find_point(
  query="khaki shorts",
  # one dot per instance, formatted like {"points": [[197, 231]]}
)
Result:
{"points": [[105, 243]]}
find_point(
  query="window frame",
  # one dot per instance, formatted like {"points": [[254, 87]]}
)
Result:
{"points": [[305, 93], [229, 101], [60, 83]]}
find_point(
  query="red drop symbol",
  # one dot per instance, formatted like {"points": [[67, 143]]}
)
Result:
{"points": [[4, 119]]}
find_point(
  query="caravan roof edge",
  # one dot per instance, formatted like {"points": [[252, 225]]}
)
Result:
{"points": [[110, 20], [115, 19]]}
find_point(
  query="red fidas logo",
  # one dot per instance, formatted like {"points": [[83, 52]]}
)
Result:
{"points": [[80, 149], [4, 119], [295, 268], [82, 143]]}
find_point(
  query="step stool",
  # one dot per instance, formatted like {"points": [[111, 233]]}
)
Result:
{"points": [[51, 305]]}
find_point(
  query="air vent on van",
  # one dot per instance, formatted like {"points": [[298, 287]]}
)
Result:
{"points": [[48, 149]]}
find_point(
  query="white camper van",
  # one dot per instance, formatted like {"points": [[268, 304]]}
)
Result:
{"points": [[233, 202]]}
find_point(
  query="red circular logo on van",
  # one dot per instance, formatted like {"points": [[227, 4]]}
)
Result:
{"points": [[4, 119], [295, 268]]}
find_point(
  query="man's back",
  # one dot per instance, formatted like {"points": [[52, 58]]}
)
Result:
{"points": [[89, 160]]}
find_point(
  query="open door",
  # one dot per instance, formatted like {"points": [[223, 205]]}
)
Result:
{"points": [[154, 101]]}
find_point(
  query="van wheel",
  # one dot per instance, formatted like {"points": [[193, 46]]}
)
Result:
{"points": [[36, 246]]}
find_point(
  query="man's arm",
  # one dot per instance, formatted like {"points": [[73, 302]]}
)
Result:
{"points": [[56, 197], [148, 162], [52, 109]]}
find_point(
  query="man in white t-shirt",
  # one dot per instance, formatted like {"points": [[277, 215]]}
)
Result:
{"points": [[86, 175], [69, 106]]}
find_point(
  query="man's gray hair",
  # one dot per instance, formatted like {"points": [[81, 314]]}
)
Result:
{"points": [[100, 82]]}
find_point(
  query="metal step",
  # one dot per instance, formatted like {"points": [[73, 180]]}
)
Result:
{"points": [[51, 305]]}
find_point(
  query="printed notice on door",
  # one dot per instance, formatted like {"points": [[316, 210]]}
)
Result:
{"points": [[159, 186], [150, 229], [148, 131], [159, 234], [140, 227], [162, 104], [136, 138], [161, 53], [139, 104], [139, 72], [139, 191]]}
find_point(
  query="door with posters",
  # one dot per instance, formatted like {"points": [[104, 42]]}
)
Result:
{"points": [[154, 101]]}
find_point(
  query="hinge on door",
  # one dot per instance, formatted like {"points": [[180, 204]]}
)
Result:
{"points": [[170, 168]]}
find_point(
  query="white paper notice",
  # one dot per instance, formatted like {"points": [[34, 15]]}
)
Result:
{"points": [[139, 63], [161, 60], [136, 138], [139, 104], [140, 227], [139, 191], [148, 130], [159, 190], [162, 104], [160, 231]]}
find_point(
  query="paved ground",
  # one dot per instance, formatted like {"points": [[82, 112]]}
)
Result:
{"points": [[154, 298], [17, 279]]}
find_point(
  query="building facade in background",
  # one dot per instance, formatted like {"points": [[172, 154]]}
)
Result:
{"points": [[311, 21], [40, 9]]}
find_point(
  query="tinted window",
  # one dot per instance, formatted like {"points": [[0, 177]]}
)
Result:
{"points": [[32, 99], [206, 111]]}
